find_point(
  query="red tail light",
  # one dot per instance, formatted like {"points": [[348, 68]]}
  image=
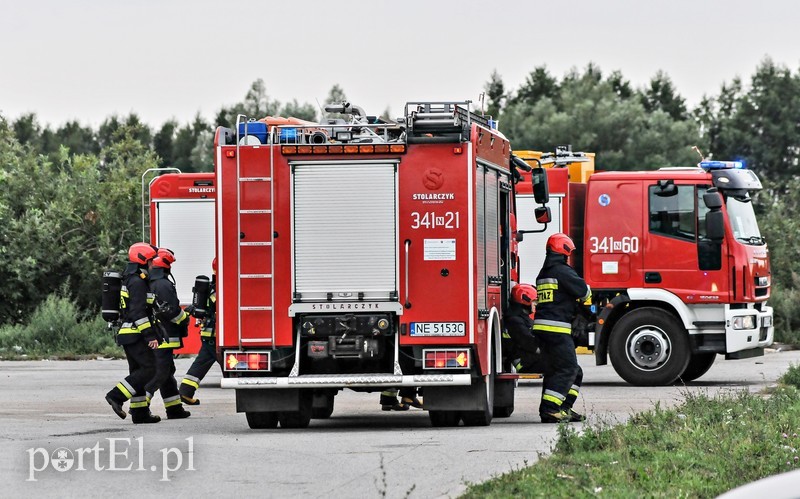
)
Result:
{"points": [[455, 358], [247, 361]]}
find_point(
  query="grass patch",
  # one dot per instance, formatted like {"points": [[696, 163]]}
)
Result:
{"points": [[703, 448], [57, 329]]}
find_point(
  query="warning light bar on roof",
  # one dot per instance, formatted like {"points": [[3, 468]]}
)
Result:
{"points": [[345, 149], [721, 165]]}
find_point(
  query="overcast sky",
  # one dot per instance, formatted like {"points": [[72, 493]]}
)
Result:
{"points": [[86, 60]]}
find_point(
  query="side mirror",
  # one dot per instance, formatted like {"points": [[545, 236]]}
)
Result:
{"points": [[542, 214], [712, 199], [539, 179], [715, 225]]}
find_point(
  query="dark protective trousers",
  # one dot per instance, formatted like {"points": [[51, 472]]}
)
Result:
{"points": [[562, 375], [164, 379], [206, 358], [142, 368]]}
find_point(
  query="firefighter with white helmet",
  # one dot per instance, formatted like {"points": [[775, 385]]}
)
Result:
{"points": [[173, 322], [559, 287], [137, 336]]}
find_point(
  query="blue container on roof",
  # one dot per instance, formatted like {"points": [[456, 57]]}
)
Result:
{"points": [[257, 129]]}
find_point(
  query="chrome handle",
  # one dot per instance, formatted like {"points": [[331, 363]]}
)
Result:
{"points": [[408, 245]]}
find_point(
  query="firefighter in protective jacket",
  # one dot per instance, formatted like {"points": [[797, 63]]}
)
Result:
{"points": [[208, 350], [173, 322], [524, 346], [137, 336], [559, 287]]}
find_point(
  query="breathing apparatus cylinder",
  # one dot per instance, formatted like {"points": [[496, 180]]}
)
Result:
{"points": [[112, 286], [201, 292]]}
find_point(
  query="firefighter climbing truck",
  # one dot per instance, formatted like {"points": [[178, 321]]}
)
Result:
{"points": [[365, 255], [678, 269]]}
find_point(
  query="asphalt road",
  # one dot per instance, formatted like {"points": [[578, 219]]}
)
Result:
{"points": [[59, 438]]}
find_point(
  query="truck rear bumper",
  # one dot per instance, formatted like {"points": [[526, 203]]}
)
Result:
{"points": [[347, 381]]}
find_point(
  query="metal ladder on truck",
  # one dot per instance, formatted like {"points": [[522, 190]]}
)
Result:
{"points": [[257, 300]]}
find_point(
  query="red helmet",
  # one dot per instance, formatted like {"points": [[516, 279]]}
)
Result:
{"points": [[165, 258], [524, 294], [560, 243], [214, 265], [141, 253]]}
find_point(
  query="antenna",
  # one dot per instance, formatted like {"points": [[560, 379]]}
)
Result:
{"points": [[481, 98], [321, 110]]}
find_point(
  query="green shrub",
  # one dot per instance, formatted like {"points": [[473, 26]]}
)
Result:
{"points": [[792, 376], [785, 301], [57, 328]]}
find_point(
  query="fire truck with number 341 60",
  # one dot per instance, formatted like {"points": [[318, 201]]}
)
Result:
{"points": [[364, 254], [677, 265]]}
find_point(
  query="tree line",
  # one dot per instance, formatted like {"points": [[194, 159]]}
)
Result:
{"points": [[69, 196]]}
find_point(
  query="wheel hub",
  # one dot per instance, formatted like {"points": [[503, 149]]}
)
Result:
{"points": [[648, 348]]}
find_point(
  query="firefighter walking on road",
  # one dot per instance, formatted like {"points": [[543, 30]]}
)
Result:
{"points": [[559, 287], [173, 321], [207, 356], [137, 337]]}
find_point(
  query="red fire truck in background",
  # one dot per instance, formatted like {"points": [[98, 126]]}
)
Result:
{"points": [[180, 211], [366, 255], [678, 268]]}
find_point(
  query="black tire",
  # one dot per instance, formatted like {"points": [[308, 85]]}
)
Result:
{"points": [[441, 419], [649, 347], [262, 420], [699, 364], [504, 412]]}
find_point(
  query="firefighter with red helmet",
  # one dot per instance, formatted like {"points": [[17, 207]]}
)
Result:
{"points": [[137, 336], [559, 287], [173, 322], [208, 350], [523, 346]]}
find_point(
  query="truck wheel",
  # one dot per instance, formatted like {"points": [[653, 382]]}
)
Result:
{"points": [[262, 420], [649, 347], [699, 364], [444, 418]]}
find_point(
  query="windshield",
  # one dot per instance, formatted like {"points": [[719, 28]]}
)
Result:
{"points": [[743, 221]]}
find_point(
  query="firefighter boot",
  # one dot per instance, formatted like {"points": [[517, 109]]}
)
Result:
{"points": [[187, 390], [389, 402], [118, 396], [140, 411], [116, 407], [177, 412], [575, 417], [555, 417], [412, 401]]}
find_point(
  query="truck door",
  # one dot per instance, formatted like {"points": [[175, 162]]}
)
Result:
{"points": [[677, 255]]}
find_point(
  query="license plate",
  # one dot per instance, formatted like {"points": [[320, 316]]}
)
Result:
{"points": [[438, 329]]}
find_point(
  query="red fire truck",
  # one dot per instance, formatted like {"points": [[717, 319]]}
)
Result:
{"points": [[366, 255], [678, 268], [181, 217]]}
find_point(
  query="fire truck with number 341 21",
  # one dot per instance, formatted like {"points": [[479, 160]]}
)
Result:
{"points": [[367, 255]]}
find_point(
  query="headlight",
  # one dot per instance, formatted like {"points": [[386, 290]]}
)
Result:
{"points": [[744, 322], [767, 321]]}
